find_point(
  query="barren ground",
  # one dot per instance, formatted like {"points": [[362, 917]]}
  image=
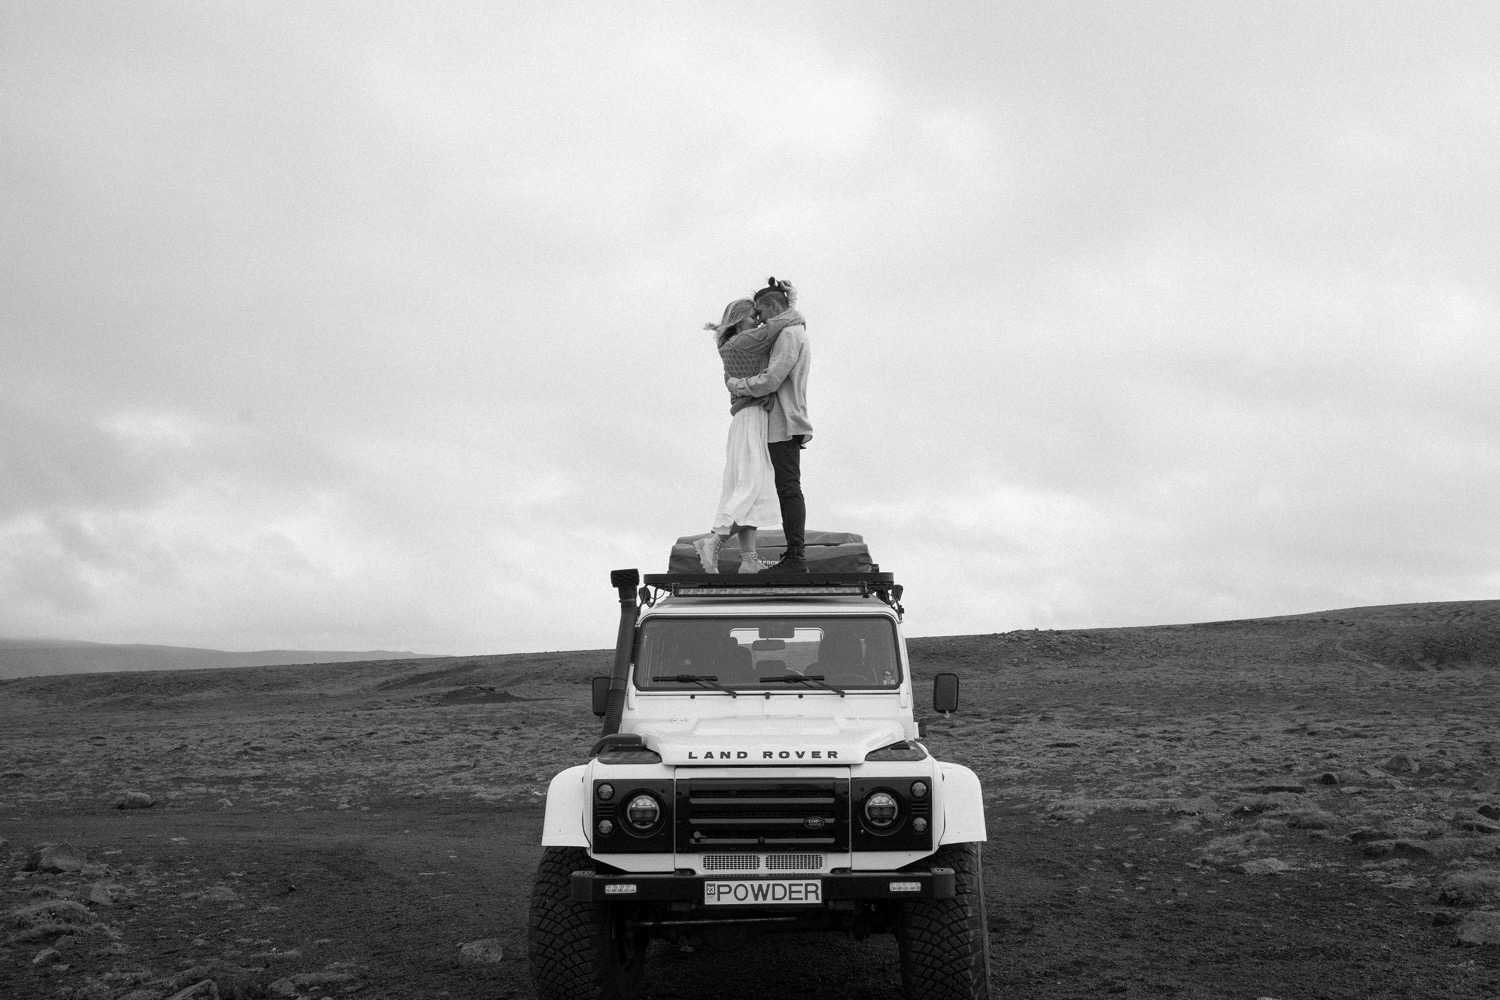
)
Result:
{"points": [[1292, 807]]}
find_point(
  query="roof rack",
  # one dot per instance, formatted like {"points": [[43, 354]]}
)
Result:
{"points": [[882, 585]]}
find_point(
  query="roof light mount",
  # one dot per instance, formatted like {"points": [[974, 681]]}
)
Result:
{"points": [[789, 585]]}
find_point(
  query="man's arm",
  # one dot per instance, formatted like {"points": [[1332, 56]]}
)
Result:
{"points": [[783, 357]]}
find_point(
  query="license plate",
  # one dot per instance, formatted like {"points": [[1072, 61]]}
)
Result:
{"points": [[763, 892]]}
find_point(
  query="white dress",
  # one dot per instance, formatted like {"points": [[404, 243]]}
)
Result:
{"points": [[748, 498]]}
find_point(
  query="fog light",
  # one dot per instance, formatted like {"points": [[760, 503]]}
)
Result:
{"points": [[606, 827], [919, 789], [919, 824], [643, 812], [605, 792], [880, 809]]}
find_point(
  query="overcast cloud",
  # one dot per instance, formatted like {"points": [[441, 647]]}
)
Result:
{"points": [[377, 326]]}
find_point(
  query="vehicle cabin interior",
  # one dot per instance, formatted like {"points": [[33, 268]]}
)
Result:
{"points": [[846, 652]]}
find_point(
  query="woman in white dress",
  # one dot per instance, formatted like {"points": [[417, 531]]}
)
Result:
{"points": [[747, 500]]}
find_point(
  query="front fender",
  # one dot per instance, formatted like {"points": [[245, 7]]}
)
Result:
{"points": [[567, 810], [963, 806]]}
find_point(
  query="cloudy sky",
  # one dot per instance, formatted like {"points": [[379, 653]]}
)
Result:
{"points": [[358, 326]]}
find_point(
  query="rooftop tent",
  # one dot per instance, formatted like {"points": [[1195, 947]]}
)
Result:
{"points": [[827, 552]]}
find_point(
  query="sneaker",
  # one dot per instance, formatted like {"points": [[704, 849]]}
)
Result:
{"points": [[751, 562], [708, 551], [788, 564]]}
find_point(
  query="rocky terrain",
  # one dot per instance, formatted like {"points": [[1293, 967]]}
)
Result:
{"points": [[1292, 807]]}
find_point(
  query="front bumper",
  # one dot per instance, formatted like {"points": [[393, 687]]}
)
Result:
{"points": [[590, 887]]}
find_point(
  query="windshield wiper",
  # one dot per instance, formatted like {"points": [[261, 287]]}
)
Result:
{"points": [[816, 680], [706, 680]]}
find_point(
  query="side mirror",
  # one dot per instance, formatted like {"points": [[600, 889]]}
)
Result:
{"points": [[601, 696], [945, 693]]}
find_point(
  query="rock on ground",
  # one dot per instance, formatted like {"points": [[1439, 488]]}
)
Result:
{"points": [[1311, 817], [49, 911], [290, 986], [482, 952], [1470, 888], [1481, 927], [225, 982], [1400, 764], [1476, 825], [55, 858], [1202, 805], [205, 990], [101, 894], [219, 894]]}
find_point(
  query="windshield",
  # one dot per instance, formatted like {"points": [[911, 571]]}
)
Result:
{"points": [[786, 654]]}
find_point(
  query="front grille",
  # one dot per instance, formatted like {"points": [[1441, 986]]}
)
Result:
{"points": [[762, 862], [747, 814]]}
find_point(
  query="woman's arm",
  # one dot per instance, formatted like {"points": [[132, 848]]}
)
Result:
{"points": [[762, 337]]}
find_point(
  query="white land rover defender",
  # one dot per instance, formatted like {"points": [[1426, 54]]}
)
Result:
{"points": [[759, 770]]}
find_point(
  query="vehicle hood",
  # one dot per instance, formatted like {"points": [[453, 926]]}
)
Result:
{"points": [[763, 742]]}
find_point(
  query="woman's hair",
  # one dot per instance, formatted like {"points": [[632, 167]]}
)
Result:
{"points": [[735, 314]]}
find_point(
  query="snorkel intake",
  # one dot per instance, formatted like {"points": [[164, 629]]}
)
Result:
{"points": [[625, 581]]}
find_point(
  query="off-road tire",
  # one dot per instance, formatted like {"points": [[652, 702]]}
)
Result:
{"points": [[945, 943], [578, 951]]}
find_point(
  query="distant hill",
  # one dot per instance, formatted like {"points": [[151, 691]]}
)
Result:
{"points": [[39, 657], [1399, 637]]}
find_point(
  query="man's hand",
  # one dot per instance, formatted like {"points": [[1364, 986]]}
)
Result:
{"points": [[736, 387]]}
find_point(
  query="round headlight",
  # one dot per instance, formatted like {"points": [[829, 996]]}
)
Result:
{"points": [[919, 824], [606, 827], [919, 789], [605, 792], [881, 809], [643, 811]]}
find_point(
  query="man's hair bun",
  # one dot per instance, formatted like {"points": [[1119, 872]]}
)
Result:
{"points": [[772, 287]]}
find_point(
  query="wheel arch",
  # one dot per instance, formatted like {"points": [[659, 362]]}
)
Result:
{"points": [[566, 818], [963, 806]]}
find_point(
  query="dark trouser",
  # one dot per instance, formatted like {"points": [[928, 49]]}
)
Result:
{"points": [[786, 459]]}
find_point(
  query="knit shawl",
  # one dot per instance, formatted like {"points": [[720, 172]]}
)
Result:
{"points": [[746, 354]]}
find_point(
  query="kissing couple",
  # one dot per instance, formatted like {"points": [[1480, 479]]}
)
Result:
{"points": [[762, 342]]}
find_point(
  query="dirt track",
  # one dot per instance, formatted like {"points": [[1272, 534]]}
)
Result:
{"points": [[1159, 820]]}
